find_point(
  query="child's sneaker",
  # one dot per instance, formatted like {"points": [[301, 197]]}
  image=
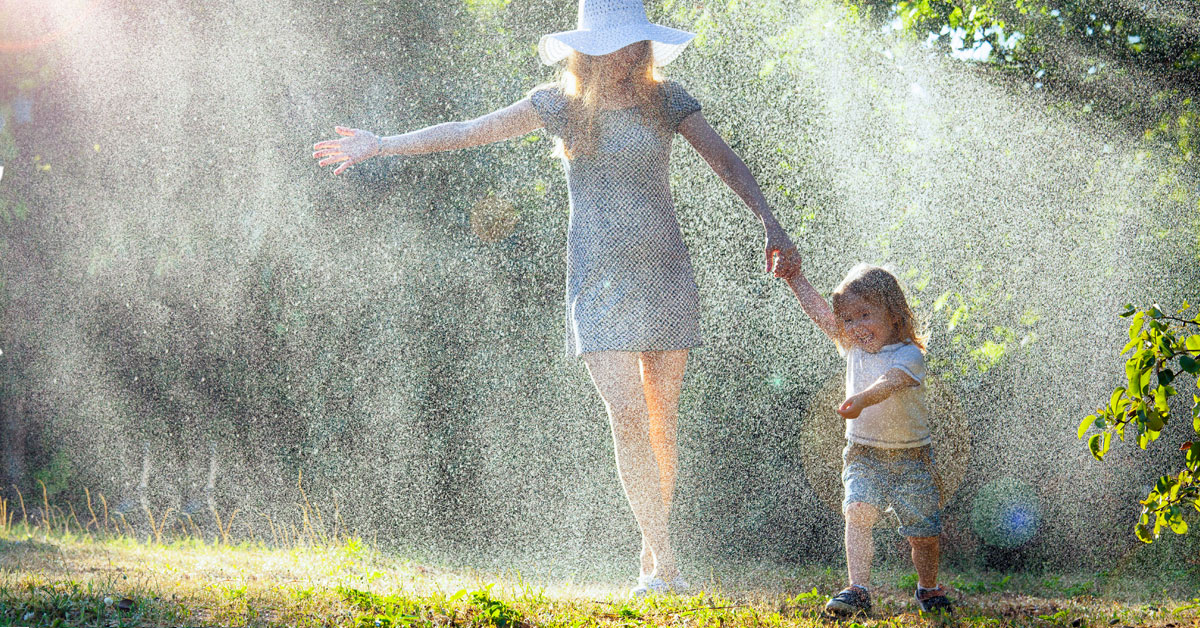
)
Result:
{"points": [[934, 599], [851, 601]]}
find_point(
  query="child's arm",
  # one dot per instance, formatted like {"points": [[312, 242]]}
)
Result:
{"points": [[788, 267], [890, 382], [357, 145]]}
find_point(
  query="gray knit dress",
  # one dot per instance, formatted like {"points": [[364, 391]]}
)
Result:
{"points": [[630, 285]]}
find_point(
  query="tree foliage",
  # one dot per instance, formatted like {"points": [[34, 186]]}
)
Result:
{"points": [[1162, 348], [1140, 63]]}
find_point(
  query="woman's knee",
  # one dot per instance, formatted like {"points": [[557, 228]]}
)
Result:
{"points": [[628, 420], [629, 409], [861, 515]]}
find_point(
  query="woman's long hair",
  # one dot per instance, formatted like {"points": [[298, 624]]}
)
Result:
{"points": [[880, 288], [580, 82]]}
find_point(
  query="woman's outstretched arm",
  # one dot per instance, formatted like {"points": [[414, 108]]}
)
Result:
{"points": [[736, 175], [357, 145]]}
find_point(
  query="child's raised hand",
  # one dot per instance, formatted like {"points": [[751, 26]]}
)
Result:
{"points": [[787, 265], [356, 146], [851, 408]]}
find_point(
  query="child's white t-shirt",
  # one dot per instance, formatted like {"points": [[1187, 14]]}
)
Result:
{"points": [[902, 420]]}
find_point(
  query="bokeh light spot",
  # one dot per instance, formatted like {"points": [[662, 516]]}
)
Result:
{"points": [[493, 219], [1005, 513]]}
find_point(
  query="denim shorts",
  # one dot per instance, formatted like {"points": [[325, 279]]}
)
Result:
{"points": [[901, 481]]}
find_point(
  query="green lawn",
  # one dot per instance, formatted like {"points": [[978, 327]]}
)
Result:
{"points": [[60, 579]]}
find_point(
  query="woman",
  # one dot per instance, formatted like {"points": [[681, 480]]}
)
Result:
{"points": [[632, 303]]}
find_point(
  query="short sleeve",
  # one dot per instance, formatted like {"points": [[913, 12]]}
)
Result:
{"points": [[679, 104], [910, 360], [551, 106]]}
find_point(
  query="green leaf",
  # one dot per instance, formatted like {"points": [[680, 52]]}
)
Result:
{"points": [[954, 19], [1155, 313], [1193, 344], [1129, 309], [1117, 401], [1135, 325], [1086, 424], [1179, 526], [1142, 532], [1154, 420], [1096, 444], [1133, 371], [1189, 364], [1160, 401], [1146, 358], [1165, 376]]}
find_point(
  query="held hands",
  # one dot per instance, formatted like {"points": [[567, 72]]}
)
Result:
{"points": [[778, 244], [355, 147], [852, 407], [787, 265]]}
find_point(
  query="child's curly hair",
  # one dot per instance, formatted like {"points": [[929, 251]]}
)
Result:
{"points": [[879, 287]]}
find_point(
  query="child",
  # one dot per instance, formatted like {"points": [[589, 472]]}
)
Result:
{"points": [[886, 464]]}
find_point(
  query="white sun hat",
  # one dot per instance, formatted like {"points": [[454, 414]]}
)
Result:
{"points": [[607, 26]]}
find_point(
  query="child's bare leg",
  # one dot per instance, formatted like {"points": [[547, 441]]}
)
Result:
{"points": [[860, 548], [925, 554]]}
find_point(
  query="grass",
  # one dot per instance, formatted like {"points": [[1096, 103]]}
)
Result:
{"points": [[76, 574]]}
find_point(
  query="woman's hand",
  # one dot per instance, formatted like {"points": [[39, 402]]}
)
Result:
{"points": [[356, 146], [777, 244]]}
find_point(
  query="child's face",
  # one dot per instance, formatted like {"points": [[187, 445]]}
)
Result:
{"points": [[865, 325]]}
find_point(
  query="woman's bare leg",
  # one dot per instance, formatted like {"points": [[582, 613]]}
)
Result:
{"points": [[662, 381], [618, 378]]}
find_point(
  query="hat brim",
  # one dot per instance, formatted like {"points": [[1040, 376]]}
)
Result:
{"points": [[666, 42]]}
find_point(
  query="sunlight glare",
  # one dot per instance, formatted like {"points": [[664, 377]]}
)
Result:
{"points": [[31, 24]]}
